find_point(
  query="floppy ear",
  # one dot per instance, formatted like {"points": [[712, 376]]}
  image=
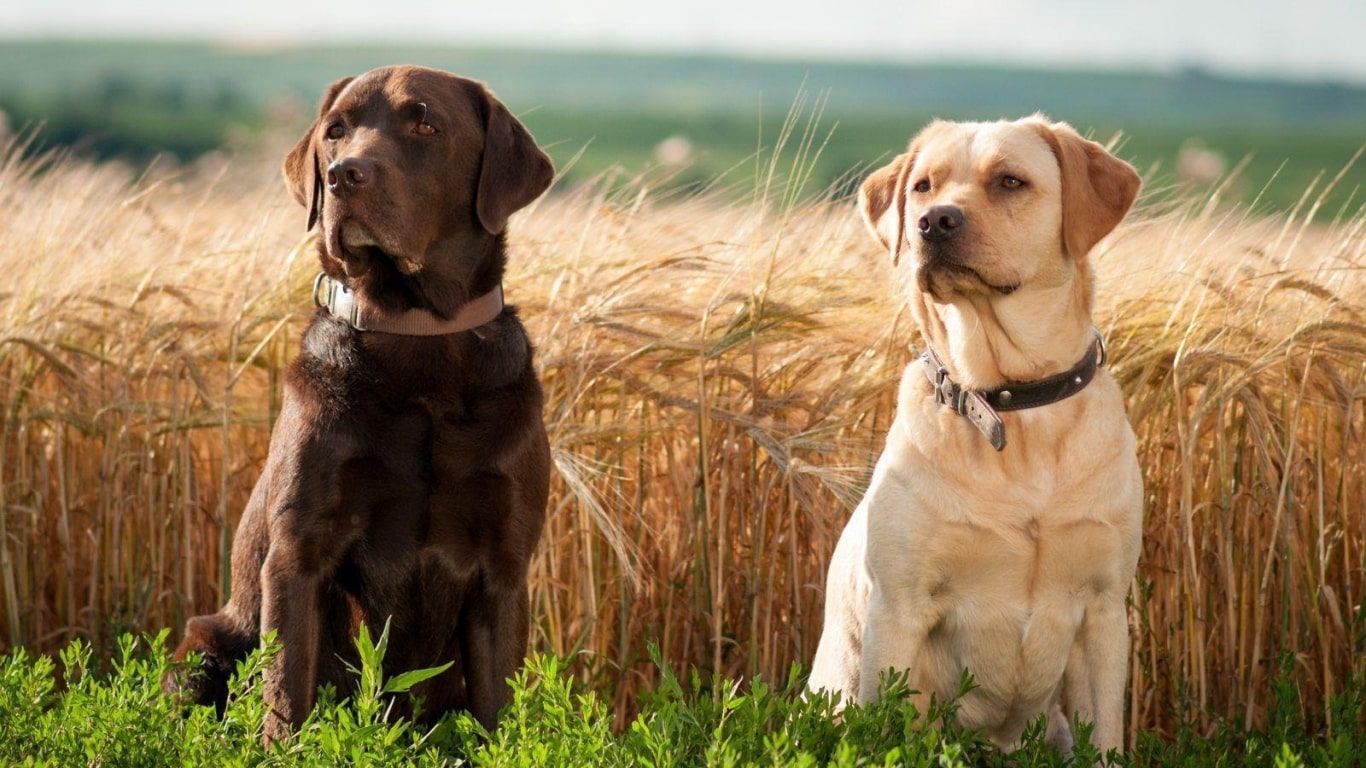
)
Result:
{"points": [[301, 164], [1097, 188], [514, 170], [882, 199]]}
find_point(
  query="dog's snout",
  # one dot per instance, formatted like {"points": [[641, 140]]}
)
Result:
{"points": [[348, 174], [940, 222]]}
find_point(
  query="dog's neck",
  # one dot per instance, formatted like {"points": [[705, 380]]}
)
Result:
{"points": [[986, 341], [455, 273], [352, 309]]}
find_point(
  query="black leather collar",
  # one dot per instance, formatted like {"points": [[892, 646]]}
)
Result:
{"points": [[981, 406]]}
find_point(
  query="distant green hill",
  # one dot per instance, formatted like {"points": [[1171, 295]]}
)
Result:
{"points": [[137, 98]]}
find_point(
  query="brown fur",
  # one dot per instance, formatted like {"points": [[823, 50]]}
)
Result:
{"points": [[407, 476]]}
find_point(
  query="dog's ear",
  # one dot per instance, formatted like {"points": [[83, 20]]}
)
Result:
{"points": [[514, 170], [882, 200], [301, 169], [882, 197], [1097, 188]]}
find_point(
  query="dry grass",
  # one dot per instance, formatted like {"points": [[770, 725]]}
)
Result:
{"points": [[720, 376]]}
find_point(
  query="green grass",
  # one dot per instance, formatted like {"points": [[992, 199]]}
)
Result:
{"points": [[116, 714]]}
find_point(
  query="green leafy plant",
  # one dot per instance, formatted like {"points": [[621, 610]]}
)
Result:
{"points": [[77, 711]]}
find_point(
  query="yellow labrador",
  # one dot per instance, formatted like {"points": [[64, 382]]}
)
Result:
{"points": [[1001, 529]]}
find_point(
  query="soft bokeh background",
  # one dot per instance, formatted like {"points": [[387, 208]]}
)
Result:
{"points": [[1201, 89]]}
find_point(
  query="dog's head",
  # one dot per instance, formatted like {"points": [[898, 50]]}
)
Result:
{"points": [[404, 162], [997, 220], [993, 208]]}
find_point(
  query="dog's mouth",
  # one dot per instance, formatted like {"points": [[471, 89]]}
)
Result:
{"points": [[1005, 289], [357, 247], [941, 262]]}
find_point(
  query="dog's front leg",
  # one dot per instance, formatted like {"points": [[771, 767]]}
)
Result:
{"points": [[291, 596], [837, 665], [494, 644], [893, 637], [1097, 667], [900, 608], [309, 535]]}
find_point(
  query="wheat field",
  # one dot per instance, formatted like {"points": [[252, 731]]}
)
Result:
{"points": [[720, 369]]}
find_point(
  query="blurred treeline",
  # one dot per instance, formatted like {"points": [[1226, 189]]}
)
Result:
{"points": [[695, 119]]}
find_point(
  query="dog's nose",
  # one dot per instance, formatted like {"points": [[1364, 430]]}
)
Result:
{"points": [[940, 222], [348, 174]]}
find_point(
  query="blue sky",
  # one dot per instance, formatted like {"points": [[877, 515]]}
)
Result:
{"points": [[1299, 38]]}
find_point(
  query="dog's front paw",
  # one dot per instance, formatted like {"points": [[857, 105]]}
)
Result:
{"points": [[1060, 730], [219, 646]]}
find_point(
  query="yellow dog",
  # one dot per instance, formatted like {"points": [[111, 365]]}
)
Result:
{"points": [[1001, 529]]}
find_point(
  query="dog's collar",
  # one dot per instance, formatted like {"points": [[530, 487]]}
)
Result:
{"points": [[981, 406], [346, 306]]}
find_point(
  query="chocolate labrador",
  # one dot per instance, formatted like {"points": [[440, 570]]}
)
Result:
{"points": [[408, 471]]}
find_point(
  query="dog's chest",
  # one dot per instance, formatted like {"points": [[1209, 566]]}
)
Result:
{"points": [[418, 497], [1022, 563]]}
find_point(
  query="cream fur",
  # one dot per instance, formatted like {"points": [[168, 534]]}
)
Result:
{"points": [[1011, 565]]}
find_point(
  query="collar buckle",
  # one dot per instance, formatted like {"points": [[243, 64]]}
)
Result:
{"points": [[943, 387], [946, 390], [321, 283], [338, 300]]}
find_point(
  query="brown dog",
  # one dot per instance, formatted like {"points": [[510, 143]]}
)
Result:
{"points": [[409, 469], [1001, 529]]}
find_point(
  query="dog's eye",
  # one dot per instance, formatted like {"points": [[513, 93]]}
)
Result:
{"points": [[423, 128], [921, 186], [335, 131], [1012, 182]]}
